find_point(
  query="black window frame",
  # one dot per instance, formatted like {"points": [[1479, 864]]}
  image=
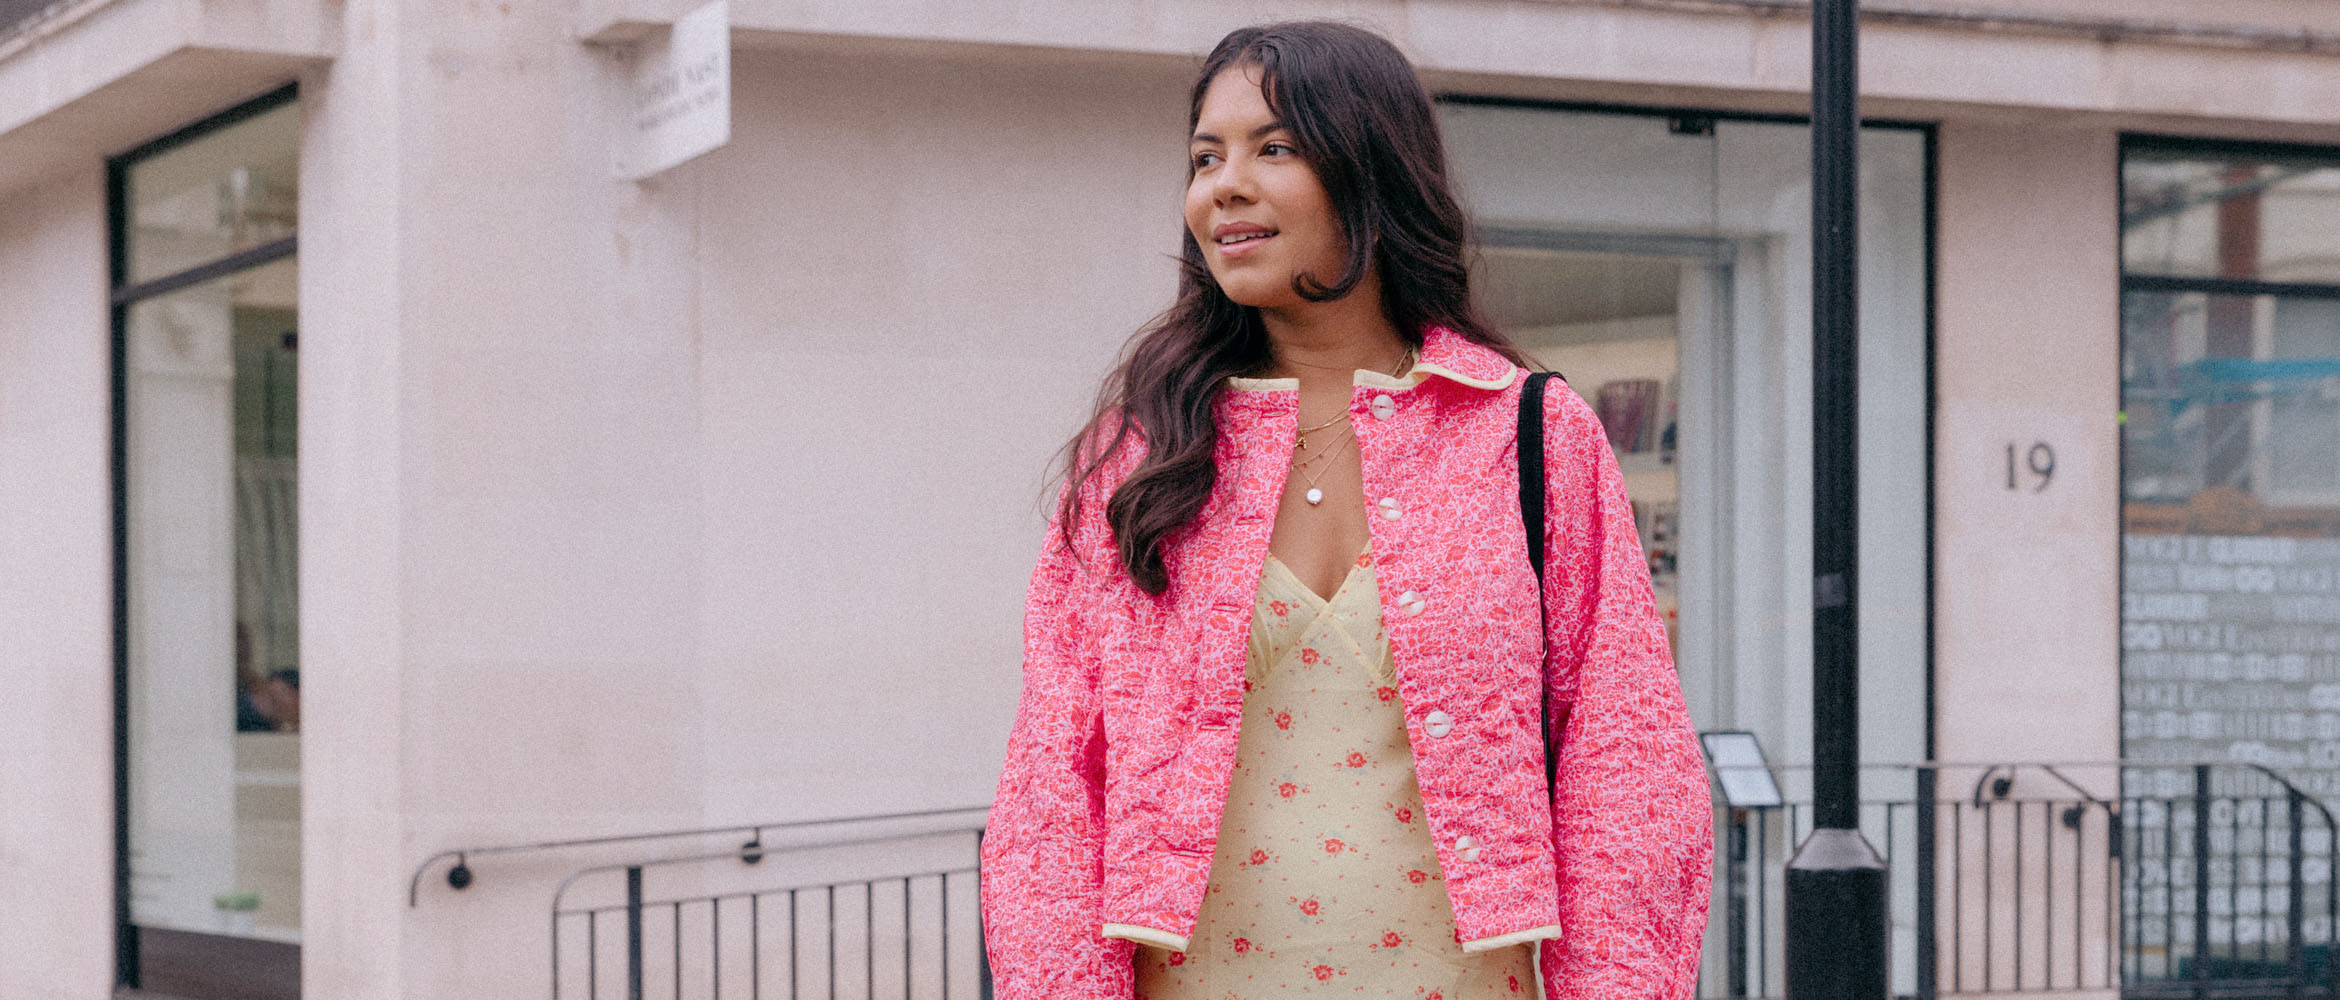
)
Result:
{"points": [[2133, 142]]}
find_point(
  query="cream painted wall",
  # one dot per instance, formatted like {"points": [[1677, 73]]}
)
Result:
{"points": [[2274, 14], [56, 592], [355, 182], [1648, 54], [2026, 616], [902, 315], [704, 500], [2027, 663]]}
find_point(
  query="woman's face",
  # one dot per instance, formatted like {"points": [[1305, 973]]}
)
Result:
{"points": [[1254, 204]]}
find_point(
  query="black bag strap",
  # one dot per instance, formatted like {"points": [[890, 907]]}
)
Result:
{"points": [[1531, 517], [1531, 470]]}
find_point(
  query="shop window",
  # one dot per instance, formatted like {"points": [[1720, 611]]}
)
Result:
{"points": [[2230, 395], [207, 362]]}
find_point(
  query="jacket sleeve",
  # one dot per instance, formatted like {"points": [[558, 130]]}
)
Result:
{"points": [[1043, 853], [1631, 814]]}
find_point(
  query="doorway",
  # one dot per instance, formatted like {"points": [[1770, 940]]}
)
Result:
{"points": [[206, 456]]}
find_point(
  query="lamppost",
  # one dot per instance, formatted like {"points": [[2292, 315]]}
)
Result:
{"points": [[1836, 916]]}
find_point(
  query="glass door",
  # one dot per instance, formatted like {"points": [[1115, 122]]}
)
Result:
{"points": [[1616, 320], [209, 675]]}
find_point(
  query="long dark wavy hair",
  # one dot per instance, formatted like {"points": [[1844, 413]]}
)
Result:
{"points": [[1364, 123]]}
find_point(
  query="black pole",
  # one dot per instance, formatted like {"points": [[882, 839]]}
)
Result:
{"points": [[2201, 840], [633, 933], [1836, 915]]}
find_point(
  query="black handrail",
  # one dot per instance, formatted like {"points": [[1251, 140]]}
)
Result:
{"points": [[460, 875], [745, 857], [2001, 787]]}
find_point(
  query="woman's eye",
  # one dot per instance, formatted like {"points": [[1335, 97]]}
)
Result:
{"points": [[1205, 159], [1283, 148]]}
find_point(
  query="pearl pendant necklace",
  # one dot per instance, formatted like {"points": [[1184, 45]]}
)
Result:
{"points": [[1315, 496]]}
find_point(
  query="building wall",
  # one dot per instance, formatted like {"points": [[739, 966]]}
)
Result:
{"points": [[2027, 663], [703, 500], [56, 591], [2278, 15], [1694, 53]]}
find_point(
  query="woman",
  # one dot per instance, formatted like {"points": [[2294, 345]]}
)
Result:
{"points": [[1286, 660]]}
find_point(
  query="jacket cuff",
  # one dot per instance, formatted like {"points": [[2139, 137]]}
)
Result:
{"points": [[1475, 945], [1144, 935]]}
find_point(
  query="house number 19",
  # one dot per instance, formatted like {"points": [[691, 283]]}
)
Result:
{"points": [[2039, 461]]}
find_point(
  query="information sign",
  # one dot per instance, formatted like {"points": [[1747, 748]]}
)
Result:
{"points": [[677, 96]]}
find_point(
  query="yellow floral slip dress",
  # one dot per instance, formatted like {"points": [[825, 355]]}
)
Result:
{"points": [[1325, 882]]}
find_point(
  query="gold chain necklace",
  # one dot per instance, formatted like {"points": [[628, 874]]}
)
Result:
{"points": [[1300, 439], [1315, 495]]}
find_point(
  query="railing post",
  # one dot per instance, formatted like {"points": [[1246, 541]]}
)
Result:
{"points": [[634, 932], [1735, 907], [2293, 905], [982, 930], [2201, 881], [1927, 986]]}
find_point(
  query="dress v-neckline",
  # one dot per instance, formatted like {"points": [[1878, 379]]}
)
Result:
{"points": [[1322, 600]]}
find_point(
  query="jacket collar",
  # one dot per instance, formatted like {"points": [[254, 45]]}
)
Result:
{"points": [[1452, 356], [1445, 354]]}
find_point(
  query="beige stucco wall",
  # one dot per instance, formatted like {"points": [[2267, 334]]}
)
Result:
{"points": [[56, 592], [1690, 53], [704, 500], [2199, 14], [2028, 338]]}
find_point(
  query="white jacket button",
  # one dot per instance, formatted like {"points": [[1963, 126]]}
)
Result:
{"points": [[1390, 508], [1466, 847], [1412, 604], [1384, 407], [1437, 724]]}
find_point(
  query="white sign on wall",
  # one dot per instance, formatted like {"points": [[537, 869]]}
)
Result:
{"points": [[677, 97]]}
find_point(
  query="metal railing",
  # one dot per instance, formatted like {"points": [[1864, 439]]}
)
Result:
{"points": [[2150, 881], [911, 931], [868, 907], [2021, 879], [2229, 888]]}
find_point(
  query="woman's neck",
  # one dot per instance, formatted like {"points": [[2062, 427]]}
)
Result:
{"points": [[1323, 344]]}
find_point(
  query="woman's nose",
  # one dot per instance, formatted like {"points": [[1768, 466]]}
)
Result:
{"points": [[1233, 181]]}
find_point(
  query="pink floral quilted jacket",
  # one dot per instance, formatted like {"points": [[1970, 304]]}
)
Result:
{"points": [[1124, 741]]}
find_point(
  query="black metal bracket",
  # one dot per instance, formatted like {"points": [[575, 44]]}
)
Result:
{"points": [[459, 877]]}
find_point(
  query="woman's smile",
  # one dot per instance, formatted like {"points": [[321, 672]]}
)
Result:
{"points": [[1237, 239]]}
